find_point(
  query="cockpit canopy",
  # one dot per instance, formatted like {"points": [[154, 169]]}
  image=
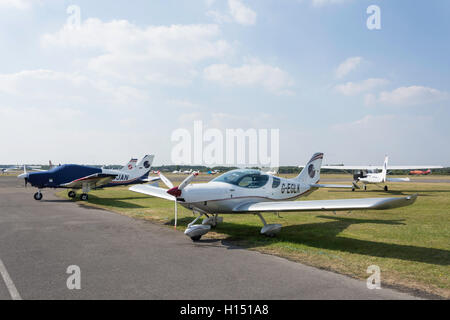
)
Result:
{"points": [[245, 178]]}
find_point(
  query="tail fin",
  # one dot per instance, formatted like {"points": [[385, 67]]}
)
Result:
{"points": [[311, 172], [146, 163], [131, 165], [384, 170]]}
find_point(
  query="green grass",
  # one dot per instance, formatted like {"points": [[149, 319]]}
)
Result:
{"points": [[411, 245]]}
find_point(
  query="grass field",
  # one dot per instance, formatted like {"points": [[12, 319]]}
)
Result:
{"points": [[411, 245]]}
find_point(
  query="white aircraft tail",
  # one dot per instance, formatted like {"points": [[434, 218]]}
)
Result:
{"points": [[131, 165], [137, 170], [144, 166], [311, 172]]}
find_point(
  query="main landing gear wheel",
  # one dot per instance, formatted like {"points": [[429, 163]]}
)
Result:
{"points": [[386, 188], [38, 196], [365, 187], [72, 194], [196, 238], [84, 197]]}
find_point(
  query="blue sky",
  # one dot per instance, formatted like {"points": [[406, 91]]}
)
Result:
{"points": [[122, 82]]}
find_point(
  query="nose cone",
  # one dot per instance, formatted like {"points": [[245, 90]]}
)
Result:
{"points": [[174, 192]]}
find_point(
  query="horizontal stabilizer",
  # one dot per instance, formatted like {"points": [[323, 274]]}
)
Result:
{"points": [[151, 179]]}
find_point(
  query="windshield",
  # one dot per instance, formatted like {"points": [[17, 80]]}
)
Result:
{"points": [[244, 178]]}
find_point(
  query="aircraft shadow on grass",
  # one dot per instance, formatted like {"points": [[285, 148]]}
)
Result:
{"points": [[113, 202], [325, 235]]}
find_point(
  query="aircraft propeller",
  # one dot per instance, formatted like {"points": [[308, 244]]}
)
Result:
{"points": [[24, 176], [176, 191]]}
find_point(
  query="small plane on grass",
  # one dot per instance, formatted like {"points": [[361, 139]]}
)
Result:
{"points": [[419, 172], [369, 175], [19, 168], [255, 192], [73, 177]]}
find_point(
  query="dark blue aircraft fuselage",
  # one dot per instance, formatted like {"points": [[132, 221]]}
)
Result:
{"points": [[61, 175]]}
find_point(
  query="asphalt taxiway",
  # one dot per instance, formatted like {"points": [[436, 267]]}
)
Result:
{"points": [[125, 258]]}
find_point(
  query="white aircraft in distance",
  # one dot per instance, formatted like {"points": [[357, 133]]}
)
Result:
{"points": [[271, 171], [19, 168], [369, 175], [254, 192]]}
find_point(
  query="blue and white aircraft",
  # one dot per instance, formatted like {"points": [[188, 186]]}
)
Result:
{"points": [[86, 178]]}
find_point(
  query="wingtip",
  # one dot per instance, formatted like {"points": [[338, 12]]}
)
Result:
{"points": [[412, 197]]}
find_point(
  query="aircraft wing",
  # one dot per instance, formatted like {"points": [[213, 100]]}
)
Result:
{"points": [[96, 180], [380, 167], [353, 167], [152, 191], [413, 167], [337, 186], [328, 205]]}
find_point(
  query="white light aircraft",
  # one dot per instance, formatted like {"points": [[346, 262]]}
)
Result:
{"points": [[369, 175], [255, 192]]}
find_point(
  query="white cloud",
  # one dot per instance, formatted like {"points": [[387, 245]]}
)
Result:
{"points": [[44, 87], [237, 12], [413, 95], [219, 17], [347, 66], [354, 88], [241, 13], [17, 4], [253, 74], [319, 3], [158, 54]]}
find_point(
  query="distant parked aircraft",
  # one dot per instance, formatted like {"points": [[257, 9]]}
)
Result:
{"points": [[272, 171], [368, 174], [73, 177], [18, 168], [420, 172]]}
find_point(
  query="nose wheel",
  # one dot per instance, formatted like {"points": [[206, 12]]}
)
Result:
{"points": [[196, 238], [38, 196], [196, 231], [386, 188]]}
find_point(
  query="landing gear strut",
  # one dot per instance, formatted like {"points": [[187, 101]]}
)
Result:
{"points": [[86, 189], [269, 230], [38, 196], [196, 231], [212, 221]]}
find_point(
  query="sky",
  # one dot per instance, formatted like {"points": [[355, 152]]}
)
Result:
{"points": [[119, 83]]}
